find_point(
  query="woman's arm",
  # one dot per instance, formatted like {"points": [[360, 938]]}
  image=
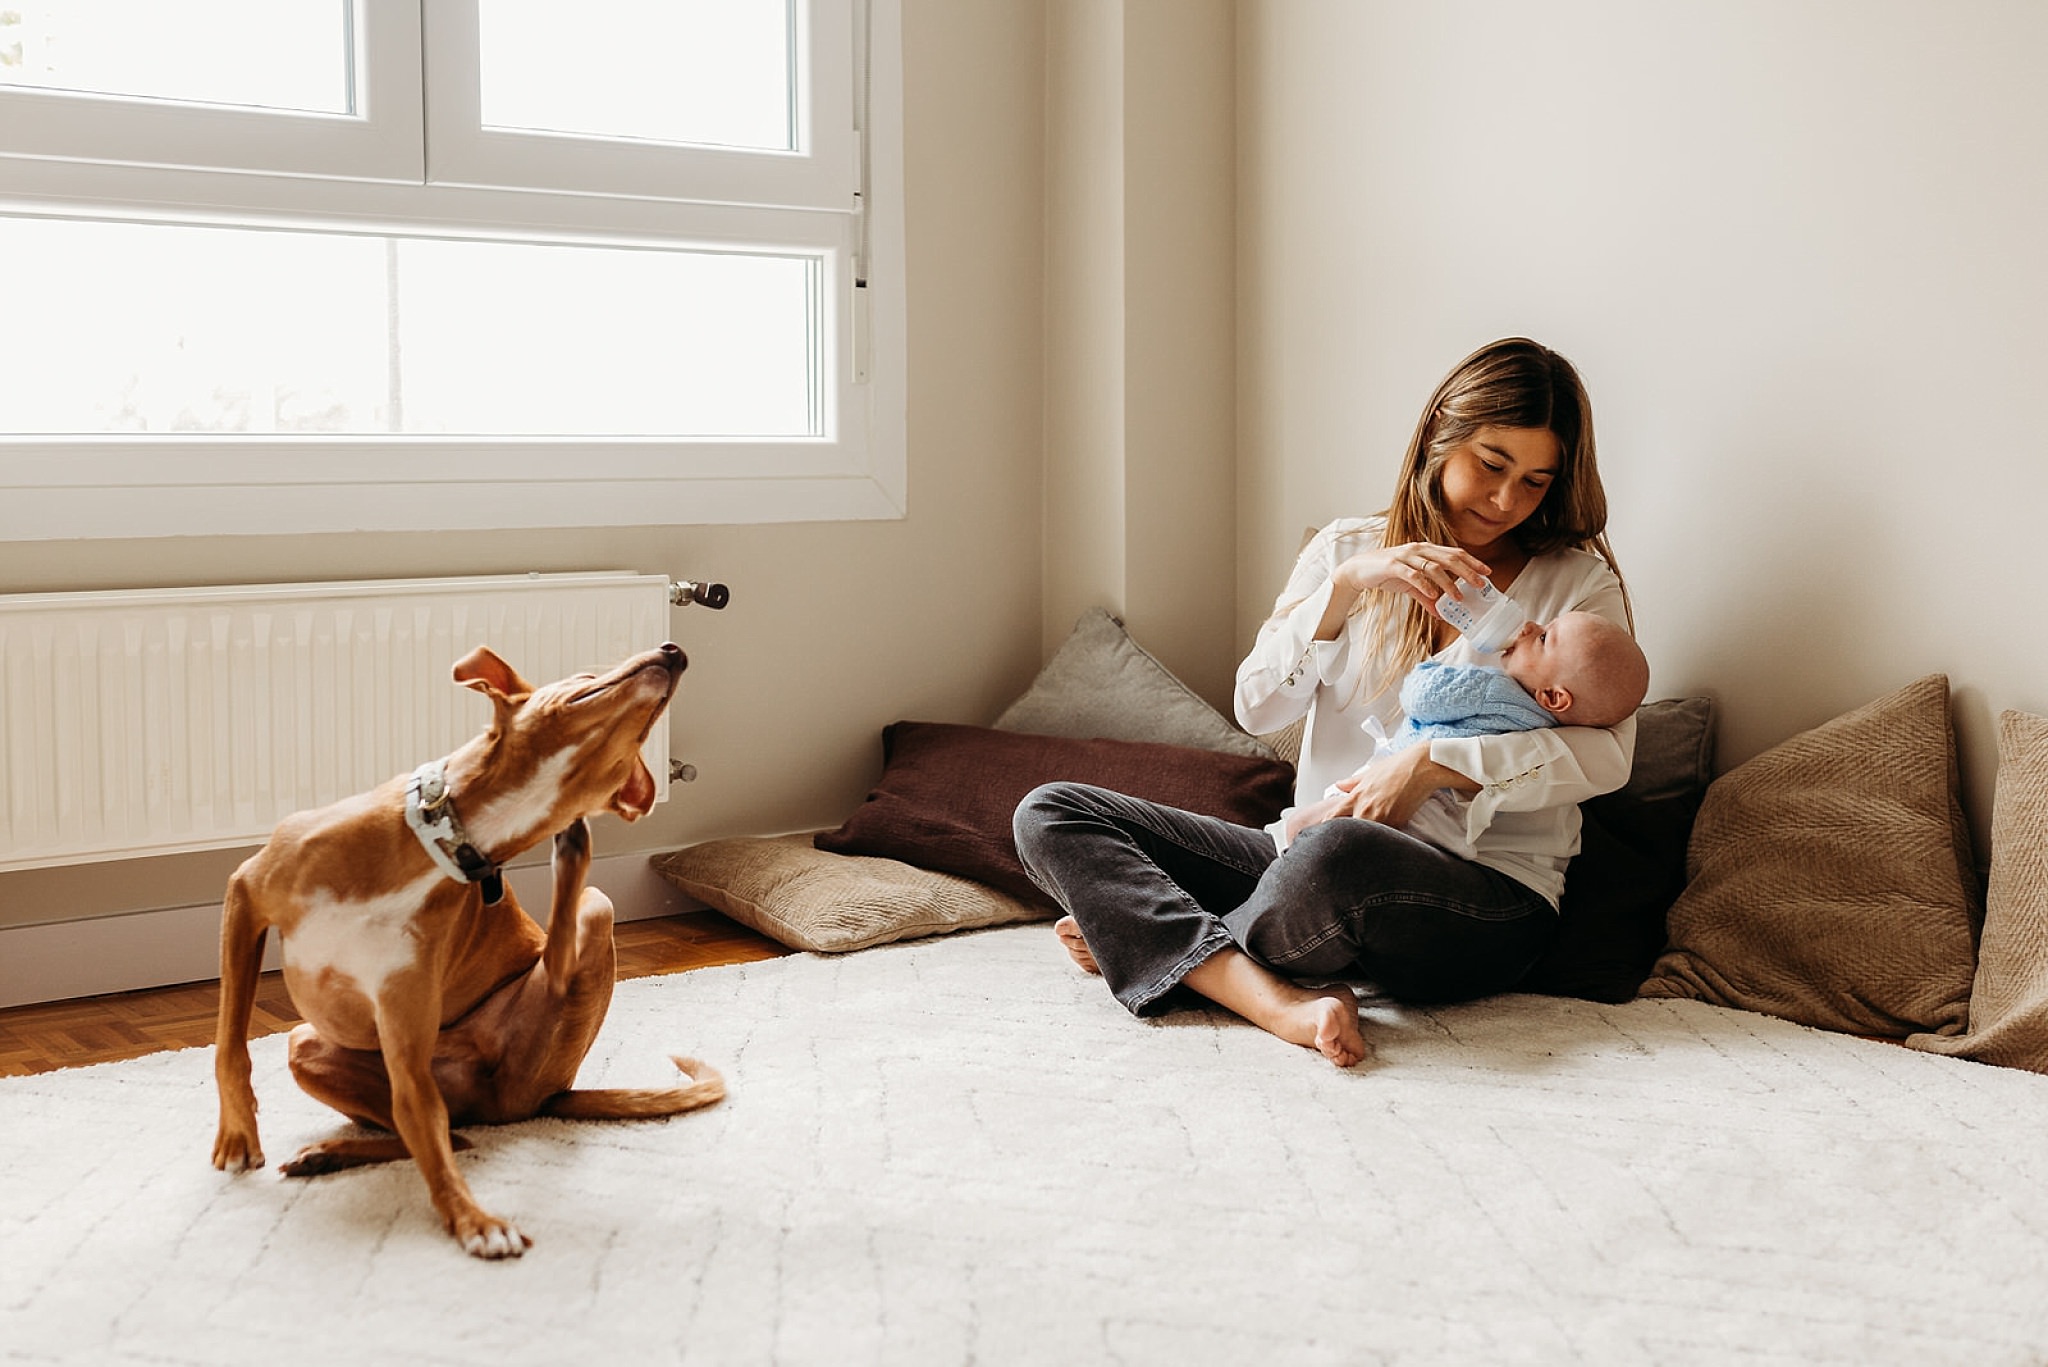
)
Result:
{"points": [[1525, 771], [1391, 790], [1566, 764], [1278, 680], [1288, 661], [1308, 641]]}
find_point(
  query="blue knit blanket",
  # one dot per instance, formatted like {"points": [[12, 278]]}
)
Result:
{"points": [[1443, 699]]}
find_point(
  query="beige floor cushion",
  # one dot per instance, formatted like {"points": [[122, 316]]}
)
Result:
{"points": [[1831, 879], [2009, 1002]]}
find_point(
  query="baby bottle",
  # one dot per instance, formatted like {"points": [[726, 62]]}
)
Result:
{"points": [[1487, 617]]}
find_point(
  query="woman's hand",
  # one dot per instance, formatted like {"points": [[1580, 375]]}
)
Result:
{"points": [[1390, 790], [1421, 569], [1300, 819]]}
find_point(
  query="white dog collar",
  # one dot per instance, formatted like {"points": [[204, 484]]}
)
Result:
{"points": [[430, 812]]}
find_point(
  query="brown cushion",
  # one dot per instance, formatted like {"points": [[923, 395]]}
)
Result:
{"points": [[1831, 881], [1631, 861], [2009, 1000], [948, 793], [807, 899]]}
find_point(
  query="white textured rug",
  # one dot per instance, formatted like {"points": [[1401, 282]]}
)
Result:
{"points": [[961, 1150]]}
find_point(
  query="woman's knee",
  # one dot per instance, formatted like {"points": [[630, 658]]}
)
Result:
{"points": [[1044, 807], [1347, 849], [1302, 916]]}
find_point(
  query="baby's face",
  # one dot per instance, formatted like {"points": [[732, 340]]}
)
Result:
{"points": [[1550, 655]]}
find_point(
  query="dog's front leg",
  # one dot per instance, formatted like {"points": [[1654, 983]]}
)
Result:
{"points": [[236, 1146], [407, 1026]]}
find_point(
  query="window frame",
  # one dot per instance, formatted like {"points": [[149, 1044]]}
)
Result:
{"points": [[159, 485], [380, 141]]}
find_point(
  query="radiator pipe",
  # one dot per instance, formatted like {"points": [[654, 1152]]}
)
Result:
{"points": [[684, 592]]}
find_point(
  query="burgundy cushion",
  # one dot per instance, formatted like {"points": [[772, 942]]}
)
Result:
{"points": [[948, 792]]}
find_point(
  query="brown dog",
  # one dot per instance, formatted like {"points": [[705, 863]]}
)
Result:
{"points": [[429, 997]]}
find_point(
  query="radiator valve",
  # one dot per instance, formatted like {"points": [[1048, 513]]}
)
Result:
{"points": [[679, 772], [684, 592]]}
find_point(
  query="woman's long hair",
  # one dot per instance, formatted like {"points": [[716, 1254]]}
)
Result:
{"points": [[1510, 383]]}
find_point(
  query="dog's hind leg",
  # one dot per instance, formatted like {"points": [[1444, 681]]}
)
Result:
{"points": [[353, 1082], [529, 1038], [581, 964], [333, 1155], [572, 935]]}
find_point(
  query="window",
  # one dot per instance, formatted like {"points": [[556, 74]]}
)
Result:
{"points": [[447, 264]]}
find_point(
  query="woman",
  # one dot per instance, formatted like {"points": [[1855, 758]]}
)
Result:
{"points": [[1434, 872]]}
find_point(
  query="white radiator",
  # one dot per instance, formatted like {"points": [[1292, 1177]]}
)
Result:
{"points": [[163, 720]]}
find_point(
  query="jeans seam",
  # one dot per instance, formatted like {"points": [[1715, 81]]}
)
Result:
{"points": [[1301, 950], [1513, 911]]}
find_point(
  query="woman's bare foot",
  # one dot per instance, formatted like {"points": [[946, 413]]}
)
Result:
{"points": [[1336, 1035], [1069, 932], [1324, 1019]]}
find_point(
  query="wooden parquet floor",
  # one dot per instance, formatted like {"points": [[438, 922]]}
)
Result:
{"points": [[43, 1038]]}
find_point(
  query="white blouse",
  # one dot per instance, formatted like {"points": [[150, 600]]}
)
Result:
{"points": [[1524, 821]]}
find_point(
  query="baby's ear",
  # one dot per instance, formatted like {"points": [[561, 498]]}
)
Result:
{"points": [[1555, 700]]}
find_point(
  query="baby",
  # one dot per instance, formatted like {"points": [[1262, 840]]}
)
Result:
{"points": [[1576, 670]]}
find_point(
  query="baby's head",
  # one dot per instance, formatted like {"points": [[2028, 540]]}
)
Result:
{"points": [[1582, 669]]}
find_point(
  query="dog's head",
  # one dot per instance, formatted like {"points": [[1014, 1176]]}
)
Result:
{"points": [[559, 751]]}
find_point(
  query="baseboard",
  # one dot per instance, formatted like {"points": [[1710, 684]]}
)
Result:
{"points": [[69, 959]]}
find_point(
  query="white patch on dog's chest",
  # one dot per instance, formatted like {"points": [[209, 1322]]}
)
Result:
{"points": [[366, 941]]}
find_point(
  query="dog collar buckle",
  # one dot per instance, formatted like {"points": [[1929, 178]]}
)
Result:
{"points": [[430, 813]]}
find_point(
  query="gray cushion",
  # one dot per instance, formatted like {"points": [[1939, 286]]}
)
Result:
{"points": [[1101, 683]]}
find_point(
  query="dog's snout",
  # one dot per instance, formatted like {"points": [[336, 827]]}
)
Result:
{"points": [[672, 655]]}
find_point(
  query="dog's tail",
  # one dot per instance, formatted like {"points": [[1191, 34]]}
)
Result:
{"points": [[706, 1086]]}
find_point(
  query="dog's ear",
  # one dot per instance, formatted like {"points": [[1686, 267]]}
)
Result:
{"points": [[635, 797], [482, 670]]}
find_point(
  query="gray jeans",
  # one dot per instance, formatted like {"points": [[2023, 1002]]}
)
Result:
{"points": [[1157, 891]]}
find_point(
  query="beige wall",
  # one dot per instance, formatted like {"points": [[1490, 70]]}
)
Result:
{"points": [[834, 629], [1139, 317], [1795, 249]]}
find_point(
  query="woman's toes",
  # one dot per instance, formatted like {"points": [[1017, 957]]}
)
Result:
{"points": [[1076, 944]]}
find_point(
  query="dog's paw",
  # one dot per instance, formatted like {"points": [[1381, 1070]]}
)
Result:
{"points": [[486, 1236], [236, 1151], [312, 1161], [572, 842]]}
